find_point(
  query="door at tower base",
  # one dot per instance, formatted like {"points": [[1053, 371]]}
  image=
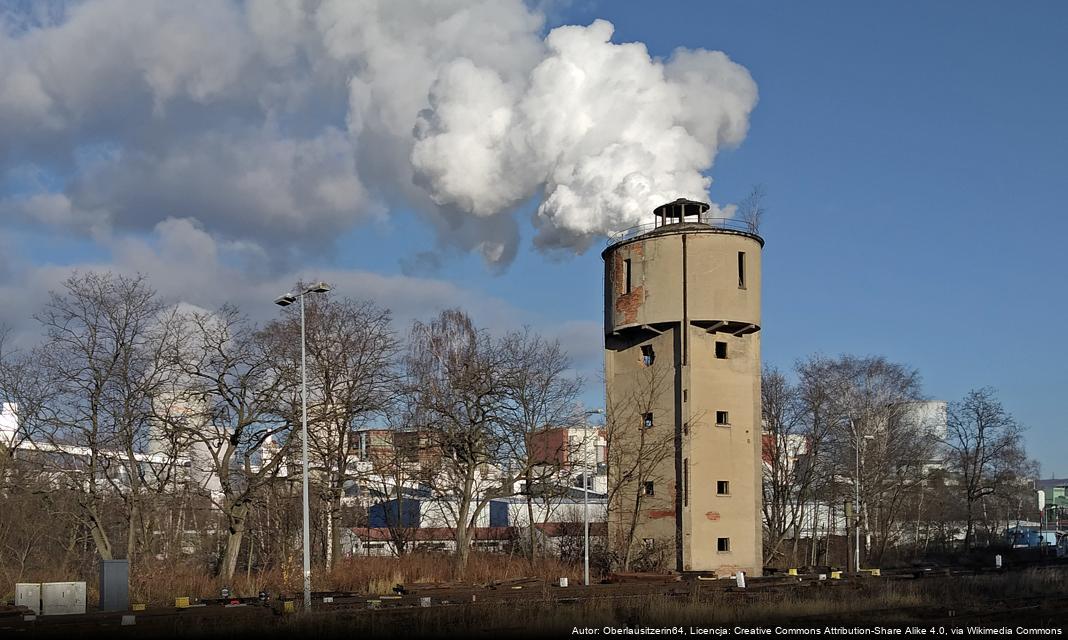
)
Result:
{"points": [[682, 376]]}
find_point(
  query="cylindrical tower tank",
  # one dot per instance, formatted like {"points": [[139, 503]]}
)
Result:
{"points": [[682, 376]]}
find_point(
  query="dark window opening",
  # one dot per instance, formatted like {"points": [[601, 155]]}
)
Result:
{"points": [[723, 488], [647, 420], [406, 445], [722, 417], [648, 355], [649, 543], [685, 481], [685, 395], [721, 350], [626, 275], [741, 269], [649, 488], [723, 545]]}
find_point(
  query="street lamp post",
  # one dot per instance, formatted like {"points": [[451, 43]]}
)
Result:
{"points": [[284, 301], [856, 496], [586, 527], [586, 497]]}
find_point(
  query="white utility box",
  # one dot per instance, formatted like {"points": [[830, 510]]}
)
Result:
{"points": [[62, 598], [28, 594]]}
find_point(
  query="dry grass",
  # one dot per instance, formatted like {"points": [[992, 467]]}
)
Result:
{"points": [[878, 601], [158, 583], [707, 605]]}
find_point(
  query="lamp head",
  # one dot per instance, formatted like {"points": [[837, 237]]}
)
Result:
{"points": [[318, 287], [285, 300]]}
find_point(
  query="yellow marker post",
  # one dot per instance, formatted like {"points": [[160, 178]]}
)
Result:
{"points": [[289, 607], [181, 603], [836, 575], [792, 572], [137, 607]]}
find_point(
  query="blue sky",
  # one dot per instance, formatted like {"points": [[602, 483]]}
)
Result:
{"points": [[913, 154], [916, 161]]}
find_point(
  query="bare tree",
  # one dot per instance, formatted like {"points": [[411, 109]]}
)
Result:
{"points": [[102, 360], [985, 450], [541, 396], [819, 391], [636, 452], [454, 372], [25, 391], [856, 414], [479, 401], [786, 452], [392, 464], [870, 397], [227, 405], [351, 349], [751, 209]]}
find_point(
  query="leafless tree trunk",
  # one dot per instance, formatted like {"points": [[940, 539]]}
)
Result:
{"points": [[453, 371], [103, 362], [635, 454], [862, 410], [541, 397], [752, 208], [784, 447], [351, 349], [393, 460], [986, 450], [479, 400], [227, 407]]}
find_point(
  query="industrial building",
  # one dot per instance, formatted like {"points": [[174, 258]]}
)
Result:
{"points": [[682, 375]]}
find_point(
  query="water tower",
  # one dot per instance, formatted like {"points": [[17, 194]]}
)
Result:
{"points": [[682, 376]]}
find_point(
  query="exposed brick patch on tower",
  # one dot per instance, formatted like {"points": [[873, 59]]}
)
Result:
{"points": [[627, 303]]}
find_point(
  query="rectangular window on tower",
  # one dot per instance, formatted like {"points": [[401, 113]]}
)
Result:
{"points": [[685, 481], [723, 488], [721, 350], [647, 420], [723, 545], [648, 486], [741, 269], [722, 418], [626, 275]]}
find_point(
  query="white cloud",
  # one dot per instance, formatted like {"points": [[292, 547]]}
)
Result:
{"points": [[289, 122], [253, 183], [54, 209], [186, 265]]}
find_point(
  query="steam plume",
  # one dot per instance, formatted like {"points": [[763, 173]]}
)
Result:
{"points": [[269, 121]]}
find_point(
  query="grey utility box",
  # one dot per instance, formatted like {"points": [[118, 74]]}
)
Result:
{"points": [[28, 594], [114, 585], [62, 598]]}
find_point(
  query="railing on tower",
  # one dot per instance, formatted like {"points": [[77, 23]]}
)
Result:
{"points": [[730, 224]]}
